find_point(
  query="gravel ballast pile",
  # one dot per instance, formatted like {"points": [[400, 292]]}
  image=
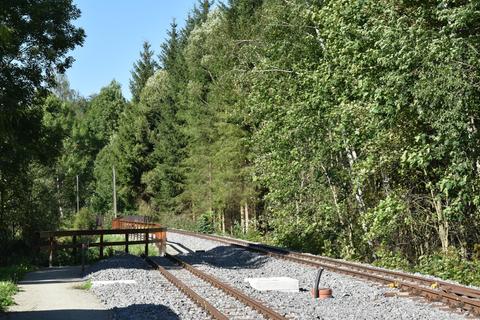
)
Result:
{"points": [[352, 298], [150, 297]]}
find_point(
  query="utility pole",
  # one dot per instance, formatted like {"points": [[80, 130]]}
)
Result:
{"points": [[78, 197], [114, 193]]}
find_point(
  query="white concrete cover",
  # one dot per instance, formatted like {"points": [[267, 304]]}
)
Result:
{"points": [[284, 284], [107, 282]]}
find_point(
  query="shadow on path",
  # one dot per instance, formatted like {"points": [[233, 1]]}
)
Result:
{"points": [[53, 275], [136, 311]]}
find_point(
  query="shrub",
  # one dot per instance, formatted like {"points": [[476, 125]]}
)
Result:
{"points": [[251, 235], [85, 219], [450, 266], [87, 285], [8, 278], [205, 223], [391, 260], [7, 290]]}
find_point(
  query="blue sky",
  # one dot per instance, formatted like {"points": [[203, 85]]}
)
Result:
{"points": [[115, 32]]}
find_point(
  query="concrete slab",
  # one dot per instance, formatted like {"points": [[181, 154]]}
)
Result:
{"points": [[50, 294], [108, 282], [283, 284]]}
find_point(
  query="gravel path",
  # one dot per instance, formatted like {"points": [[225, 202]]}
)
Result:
{"points": [[150, 297], [51, 294], [352, 298], [220, 300]]}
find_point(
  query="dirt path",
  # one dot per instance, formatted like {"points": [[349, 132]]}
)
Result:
{"points": [[50, 294]]}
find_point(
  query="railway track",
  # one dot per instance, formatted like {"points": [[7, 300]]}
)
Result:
{"points": [[219, 299], [455, 296]]}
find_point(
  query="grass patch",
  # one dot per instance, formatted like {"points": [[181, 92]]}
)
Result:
{"points": [[135, 249], [87, 285], [9, 276], [7, 290]]}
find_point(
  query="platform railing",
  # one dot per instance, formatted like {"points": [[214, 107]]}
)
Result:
{"points": [[140, 222], [143, 234]]}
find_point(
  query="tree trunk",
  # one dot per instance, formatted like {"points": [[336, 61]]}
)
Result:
{"points": [[242, 219], [443, 227], [60, 209], [442, 222], [333, 189], [193, 212], [210, 179], [352, 157], [223, 220], [247, 218]]}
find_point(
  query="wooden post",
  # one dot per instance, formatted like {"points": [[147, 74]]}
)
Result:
{"points": [[74, 249], [50, 257], [84, 247], [163, 244], [101, 246], [114, 192], [146, 244], [126, 242]]}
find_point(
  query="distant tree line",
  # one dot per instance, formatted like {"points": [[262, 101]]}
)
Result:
{"points": [[347, 128]]}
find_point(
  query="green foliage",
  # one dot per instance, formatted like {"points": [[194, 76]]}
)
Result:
{"points": [[85, 220], [7, 290], [35, 38], [87, 285], [345, 128], [386, 221], [251, 235], [450, 266], [391, 260], [102, 117], [162, 176], [205, 223], [136, 249], [15, 272], [143, 69], [9, 276], [179, 221], [97, 131]]}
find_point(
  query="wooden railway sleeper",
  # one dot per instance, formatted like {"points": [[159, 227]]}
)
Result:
{"points": [[201, 302], [237, 294]]}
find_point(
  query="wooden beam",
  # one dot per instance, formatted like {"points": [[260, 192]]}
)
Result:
{"points": [[101, 246], [126, 242], [68, 233]]}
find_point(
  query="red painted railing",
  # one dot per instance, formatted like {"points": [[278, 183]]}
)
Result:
{"points": [[137, 222]]}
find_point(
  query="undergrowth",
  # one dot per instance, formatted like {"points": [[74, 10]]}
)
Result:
{"points": [[9, 276], [447, 266], [87, 285]]}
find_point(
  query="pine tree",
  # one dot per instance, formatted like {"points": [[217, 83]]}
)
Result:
{"points": [[159, 104], [143, 69], [169, 53]]}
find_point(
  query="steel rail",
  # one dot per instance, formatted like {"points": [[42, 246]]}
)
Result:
{"points": [[235, 293], [453, 295], [201, 302]]}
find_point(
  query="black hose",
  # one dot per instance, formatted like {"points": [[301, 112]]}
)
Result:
{"points": [[317, 283]]}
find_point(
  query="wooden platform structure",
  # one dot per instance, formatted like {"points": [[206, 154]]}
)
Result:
{"points": [[134, 232]]}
